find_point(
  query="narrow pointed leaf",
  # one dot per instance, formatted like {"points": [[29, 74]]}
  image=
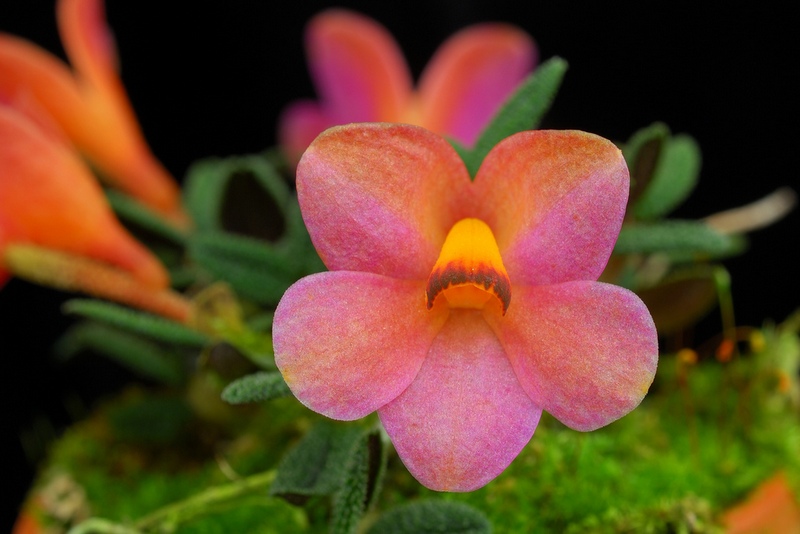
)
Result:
{"points": [[131, 210], [318, 464], [681, 299], [432, 517], [362, 480], [140, 356], [146, 324], [256, 387], [524, 110], [297, 243], [680, 240], [642, 152], [349, 502], [254, 268], [674, 177], [210, 183]]}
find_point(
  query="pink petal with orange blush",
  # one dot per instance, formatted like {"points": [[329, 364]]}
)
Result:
{"points": [[584, 351], [88, 40], [347, 343], [381, 198], [465, 417], [555, 200], [358, 69], [298, 125], [470, 76]]}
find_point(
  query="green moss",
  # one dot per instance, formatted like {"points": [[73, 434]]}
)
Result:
{"points": [[704, 437]]}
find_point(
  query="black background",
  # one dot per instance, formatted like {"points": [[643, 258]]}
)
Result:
{"points": [[210, 79]]}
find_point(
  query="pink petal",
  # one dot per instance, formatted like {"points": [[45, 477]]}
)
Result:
{"points": [[88, 40], [555, 200], [471, 75], [298, 125], [465, 417], [381, 197], [358, 69], [584, 351], [347, 343]]}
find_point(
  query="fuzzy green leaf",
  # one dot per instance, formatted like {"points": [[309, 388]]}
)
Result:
{"points": [[210, 182], [641, 153], [139, 355], [359, 488], [297, 245], [318, 465], [254, 268], [674, 177], [151, 326], [129, 209], [256, 387], [681, 240], [522, 111], [349, 502], [432, 517]]}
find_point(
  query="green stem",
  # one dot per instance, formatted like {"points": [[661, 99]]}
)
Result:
{"points": [[168, 518], [102, 526], [199, 504]]}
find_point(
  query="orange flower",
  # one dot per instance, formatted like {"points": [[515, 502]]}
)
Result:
{"points": [[89, 106], [56, 227]]}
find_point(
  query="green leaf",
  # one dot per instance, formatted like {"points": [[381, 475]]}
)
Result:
{"points": [[297, 245], [674, 177], [254, 268], [681, 299], [432, 517], [522, 111], [641, 153], [146, 324], [317, 465], [359, 488], [129, 209], [256, 387], [139, 355], [680, 240], [217, 189]]}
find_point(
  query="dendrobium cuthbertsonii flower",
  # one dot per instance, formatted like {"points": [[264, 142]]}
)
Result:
{"points": [[361, 76], [460, 309]]}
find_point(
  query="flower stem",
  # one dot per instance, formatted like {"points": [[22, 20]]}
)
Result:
{"points": [[170, 517]]}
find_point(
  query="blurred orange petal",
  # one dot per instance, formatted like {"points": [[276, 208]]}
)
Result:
{"points": [[771, 509], [49, 197], [90, 106]]}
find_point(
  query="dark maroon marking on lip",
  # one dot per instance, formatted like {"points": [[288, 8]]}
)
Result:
{"points": [[455, 274]]}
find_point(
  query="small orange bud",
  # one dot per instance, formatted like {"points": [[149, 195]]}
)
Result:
{"points": [[725, 351], [687, 356]]}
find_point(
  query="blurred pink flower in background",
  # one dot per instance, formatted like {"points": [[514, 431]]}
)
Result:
{"points": [[361, 76]]}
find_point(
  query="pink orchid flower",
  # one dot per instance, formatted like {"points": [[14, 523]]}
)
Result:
{"points": [[460, 309], [49, 197], [90, 106], [361, 76]]}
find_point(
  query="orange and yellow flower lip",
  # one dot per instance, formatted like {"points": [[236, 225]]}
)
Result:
{"points": [[470, 270]]}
